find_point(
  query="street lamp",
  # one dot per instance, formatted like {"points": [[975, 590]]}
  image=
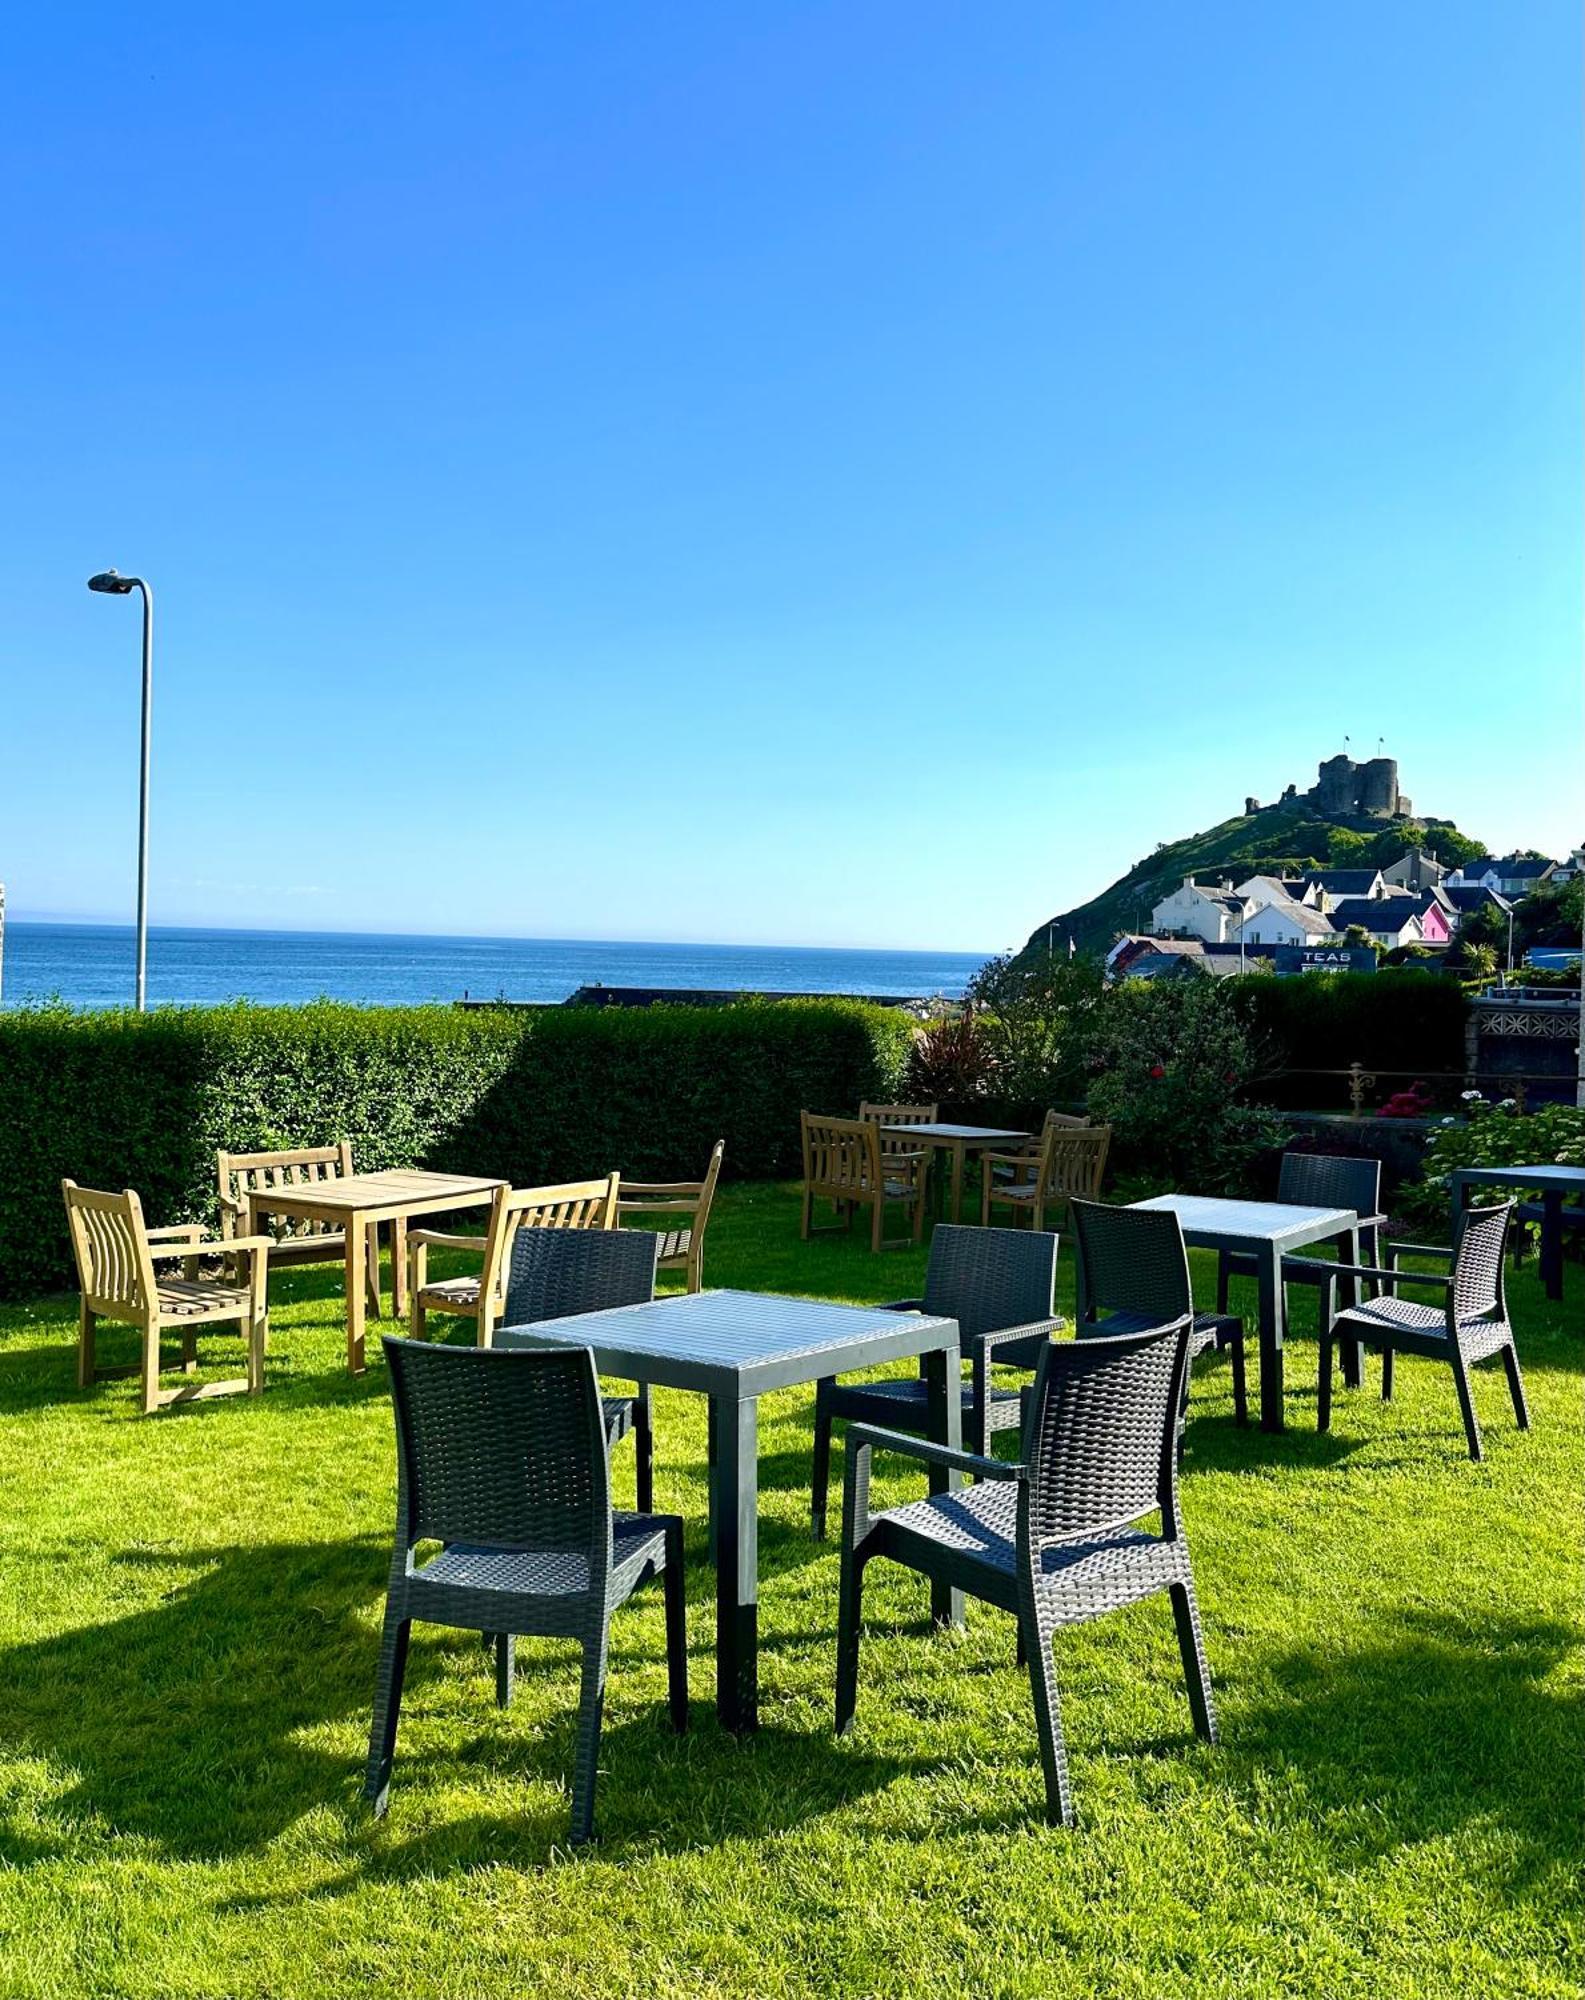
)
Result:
{"points": [[109, 584]]}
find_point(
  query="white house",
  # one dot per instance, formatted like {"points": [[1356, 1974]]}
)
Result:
{"points": [[1326, 887], [1510, 875], [1284, 921], [1194, 911], [1260, 890], [1414, 869]]}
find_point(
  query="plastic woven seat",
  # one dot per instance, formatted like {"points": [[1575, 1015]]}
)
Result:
{"points": [[1055, 1540], [1471, 1325], [997, 1284], [501, 1456], [1134, 1274], [559, 1272]]}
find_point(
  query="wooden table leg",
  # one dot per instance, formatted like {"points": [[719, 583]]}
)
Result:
{"points": [[737, 1564], [399, 1266], [1271, 1336], [371, 1268], [357, 1252], [944, 1396]]}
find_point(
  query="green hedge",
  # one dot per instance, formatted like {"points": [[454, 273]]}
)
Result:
{"points": [[1393, 1020], [117, 1099]]}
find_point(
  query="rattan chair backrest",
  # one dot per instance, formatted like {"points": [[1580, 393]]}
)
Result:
{"points": [[1130, 1260], [1477, 1268], [556, 1272], [1330, 1180], [987, 1279]]}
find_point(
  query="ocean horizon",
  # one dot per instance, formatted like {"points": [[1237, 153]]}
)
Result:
{"points": [[92, 965]]}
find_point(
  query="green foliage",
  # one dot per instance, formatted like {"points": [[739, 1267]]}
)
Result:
{"points": [[116, 1099], [1039, 1013], [1551, 915], [1494, 1135], [1172, 1057], [1348, 849]]}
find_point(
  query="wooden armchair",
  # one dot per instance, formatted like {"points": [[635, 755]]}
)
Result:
{"points": [[116, 1254], [1069, 1160], [572, 1205], [843, 1164], [892, 1145], [681, 1248], [294, 1241]]}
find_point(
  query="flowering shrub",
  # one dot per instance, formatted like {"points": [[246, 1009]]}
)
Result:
{"points": [[1418, 1101], [1494, 1135]]}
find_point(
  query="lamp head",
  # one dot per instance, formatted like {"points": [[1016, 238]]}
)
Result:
{"points": [[112, 583]]}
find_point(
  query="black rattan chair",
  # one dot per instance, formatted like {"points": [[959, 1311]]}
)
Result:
{"points": [[1054, 1540], [558, 1272], [1134, 1273], [502, 1457], [997, 1284], [1316, 1180], [1470, 1326]]}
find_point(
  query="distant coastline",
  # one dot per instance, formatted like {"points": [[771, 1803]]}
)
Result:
{"points": [[90, 965]]}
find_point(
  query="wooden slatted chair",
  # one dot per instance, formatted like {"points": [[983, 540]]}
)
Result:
{"points": [[681, 1248], [898, 1114], [1069, 1164], [481, 1298], [293, 1240], [843, 1164], [116, 1254]]}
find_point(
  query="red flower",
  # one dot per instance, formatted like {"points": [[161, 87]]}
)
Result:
{"points": [[1231, 1077], [1156, 1070]]}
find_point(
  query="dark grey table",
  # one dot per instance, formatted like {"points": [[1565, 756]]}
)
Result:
{"points": [[1267, 1231], [1553, 1181], [957, 1140], [733, 1347]]}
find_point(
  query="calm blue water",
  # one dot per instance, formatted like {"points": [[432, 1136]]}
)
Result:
{"points": [[91, 965]]}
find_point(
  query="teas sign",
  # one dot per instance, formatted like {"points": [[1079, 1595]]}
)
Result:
{"points": [[1325, 958]]}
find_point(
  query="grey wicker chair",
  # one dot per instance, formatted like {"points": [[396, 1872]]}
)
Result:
{"points": [[501, 1456], [558, 1272], [1055, 1540], [1316, 1180], [1134, 1273], [997, 1284], [1469, 1326]]}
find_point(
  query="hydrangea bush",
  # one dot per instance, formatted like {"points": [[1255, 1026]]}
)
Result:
{"points": [[1494, 1134]]}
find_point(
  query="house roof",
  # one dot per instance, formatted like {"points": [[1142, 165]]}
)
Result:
{"points": [[1513, 867], [1467, 896], [1377, 913], [1308, 919], [1344, 881]]}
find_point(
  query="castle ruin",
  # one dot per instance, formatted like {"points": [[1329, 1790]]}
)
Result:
{"points": [[1370, 789]]}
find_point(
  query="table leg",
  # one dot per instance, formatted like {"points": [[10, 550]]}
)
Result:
{"points": [[736, 1485], [371, 1267], [1350, 1353], [1552, 1242], [711, 1452], [1455, 1201], [944, 1395], [399, 1266], [1272, 1317], [957, 1180], [357, 1251]]}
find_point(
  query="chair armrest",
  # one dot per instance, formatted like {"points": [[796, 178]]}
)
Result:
{"points": [[1420, 1250], [644, 1189], [442, 1239], [1387, 1275], [1035, 1334], [215, 1246], [190, 1232], [870, 1436], [1010, 1159]]}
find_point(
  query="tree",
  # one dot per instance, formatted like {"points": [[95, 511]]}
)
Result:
{"points": [[1550, 916], [1037, 1011], [1357, 937]]}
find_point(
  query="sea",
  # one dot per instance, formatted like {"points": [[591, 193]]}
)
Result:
{"points": [[93, 965]]}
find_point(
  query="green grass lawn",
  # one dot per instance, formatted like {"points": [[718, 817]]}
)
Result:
{"points": [[189, 1619]]}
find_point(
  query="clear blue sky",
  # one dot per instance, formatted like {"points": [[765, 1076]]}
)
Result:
{"points": [[853, 473]]}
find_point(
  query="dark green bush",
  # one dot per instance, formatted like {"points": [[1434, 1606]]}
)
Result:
{"points": [[1409, 1022], [116, 1099]]}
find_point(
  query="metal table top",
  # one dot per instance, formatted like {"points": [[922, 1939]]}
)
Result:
{"points": [[1209, 1220]]}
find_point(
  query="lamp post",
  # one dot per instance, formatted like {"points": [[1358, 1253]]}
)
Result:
{"points": [[112, 585]]}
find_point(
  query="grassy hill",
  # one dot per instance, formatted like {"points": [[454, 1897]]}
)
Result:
{"points": [[1279, 839]]}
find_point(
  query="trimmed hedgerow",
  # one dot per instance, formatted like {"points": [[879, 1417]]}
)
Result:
{"points": [[1393, 1021], [115, 1099]]}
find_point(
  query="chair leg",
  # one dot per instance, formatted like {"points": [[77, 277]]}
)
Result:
{"points": [[505, 1668], [1467, 1406], [819, 1493], [1240, 1379], [591, 1705], [1521, 1409], [1323, 1387], [877, 1223], [189, 1350], [644, 1449], [1191, 1643], [85, 1347], [1048, 1719], [1386, 1375], [673, 1584], [806, 1222], [850, 1613], [151, 1367], [1222, 1276], [387, 1708]]}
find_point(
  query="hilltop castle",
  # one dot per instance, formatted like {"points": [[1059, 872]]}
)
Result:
{"points": [[1343, 787]]}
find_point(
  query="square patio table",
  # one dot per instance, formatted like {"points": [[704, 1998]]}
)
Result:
{"points": [[1267, 1231], [957, 1140], [1554, 1182], [358, 1200], [734, 1347]]}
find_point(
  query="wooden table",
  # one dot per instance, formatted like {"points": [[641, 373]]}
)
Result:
{"points": [[1552, 1181], [733, 1347], [1266, 1231], [359, 1202], [957, 1140]]}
